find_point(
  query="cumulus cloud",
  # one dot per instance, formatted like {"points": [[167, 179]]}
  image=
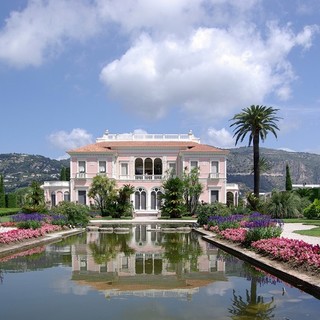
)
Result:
{"points": [[70, 140], [220, 138], [45, 27], [42, 28], [210, 74]]}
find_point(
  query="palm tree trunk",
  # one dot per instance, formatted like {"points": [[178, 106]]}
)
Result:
{"points": [[256, 167]]}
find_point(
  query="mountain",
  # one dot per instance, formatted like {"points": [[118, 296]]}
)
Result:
{"points": [[304, 168], [19, 170]]}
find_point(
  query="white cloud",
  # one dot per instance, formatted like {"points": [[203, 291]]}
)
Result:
{"points": [[220, 138], [70, 140], [42, 28], [209, 74]]}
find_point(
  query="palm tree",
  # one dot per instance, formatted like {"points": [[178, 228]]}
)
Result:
{"points": [[257, 121]]}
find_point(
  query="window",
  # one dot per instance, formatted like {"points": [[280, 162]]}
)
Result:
{"points": [[53, 199], [124, 171], [157, 167], [214, 196], [148, 167], [193, 164], [214, 169], [140, 198], [138, 167], [156, 199], [66, 196], [172, 168], [82, 196], [82, 166], [102, 167]]}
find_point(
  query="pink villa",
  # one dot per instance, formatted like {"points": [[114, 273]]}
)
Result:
{"points": [[143, 161]]}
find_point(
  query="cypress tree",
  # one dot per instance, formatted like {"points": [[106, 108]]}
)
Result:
{"points": [[68, 174], [11, 200], [288, 179], [1, 184], [63, 176], [2, 193]]}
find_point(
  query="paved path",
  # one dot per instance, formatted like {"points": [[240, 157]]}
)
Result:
{"points": [[288, 229]]}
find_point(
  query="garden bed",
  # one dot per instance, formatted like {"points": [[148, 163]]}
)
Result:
{"points": [[302, 278]]}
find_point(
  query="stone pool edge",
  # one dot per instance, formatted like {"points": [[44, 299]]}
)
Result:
{"points": [[11, 248], [303, 281]]}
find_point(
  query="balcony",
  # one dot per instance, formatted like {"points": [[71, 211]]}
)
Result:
{"points": [[148, 177], [216, 175], [81, 175]]}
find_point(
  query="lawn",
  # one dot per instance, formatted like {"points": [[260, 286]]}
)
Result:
{"points": [[302, 220], [314, 232]]}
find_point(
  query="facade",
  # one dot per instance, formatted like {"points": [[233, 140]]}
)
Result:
{"points": [[143, 161]]}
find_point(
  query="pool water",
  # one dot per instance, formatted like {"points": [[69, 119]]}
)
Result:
{"points": [[143, 273]]}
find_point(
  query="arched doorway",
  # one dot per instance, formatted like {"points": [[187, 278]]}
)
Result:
{"points": [[156, 194], [140, 199]]}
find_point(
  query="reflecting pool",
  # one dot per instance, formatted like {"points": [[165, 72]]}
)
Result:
{"points": [[143, 272]]}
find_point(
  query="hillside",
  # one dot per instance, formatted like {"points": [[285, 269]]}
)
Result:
{"points": [[304, 168], [19, 170]]}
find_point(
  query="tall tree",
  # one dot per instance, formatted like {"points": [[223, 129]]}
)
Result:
{"points": [[2, 193], [103, 191], [63, 174], [288, 179], [192, 189], [255, 121], [173, 202]]}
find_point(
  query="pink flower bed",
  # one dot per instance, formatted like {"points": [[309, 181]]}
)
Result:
{"points": [[23, 234], [284, 249], [235, 235]]}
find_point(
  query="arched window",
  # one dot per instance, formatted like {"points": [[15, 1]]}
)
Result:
{"points": [[53, 199], [148, 167], [138, 167], [156, 199], [140, 197], [157, 167], [66, 196], [230, 199]]}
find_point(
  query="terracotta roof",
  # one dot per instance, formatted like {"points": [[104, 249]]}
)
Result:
{"points": [[205, 148], [111, 146]]}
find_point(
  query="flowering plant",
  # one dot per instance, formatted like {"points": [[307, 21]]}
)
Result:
{"points": [[296, 251], [235, 235], [23, 234]]}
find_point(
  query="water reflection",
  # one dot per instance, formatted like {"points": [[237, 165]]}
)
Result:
{"points": [[253, 304], [146, 261], [143, 262]]}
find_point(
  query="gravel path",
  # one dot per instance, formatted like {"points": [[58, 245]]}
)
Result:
{"points": [[288, 229]]}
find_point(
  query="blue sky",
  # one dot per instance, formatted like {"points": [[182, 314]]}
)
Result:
{"points": [[70, 69]]}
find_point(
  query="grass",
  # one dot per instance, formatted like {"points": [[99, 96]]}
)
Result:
{"points": [[303, 220], [4, 219], [8, 211], [314, 232]]}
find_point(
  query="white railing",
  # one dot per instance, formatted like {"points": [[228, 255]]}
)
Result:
{"points": [[56, 184], [215, 175], [148, 177], [147, 137]]}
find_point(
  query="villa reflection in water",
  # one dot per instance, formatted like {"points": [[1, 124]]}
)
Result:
{"points": [[148, 261]]}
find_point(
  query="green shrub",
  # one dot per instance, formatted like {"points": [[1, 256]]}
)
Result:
{"points": [[29, 224], [76, 214], [207, 210], [255, 234], [313, 210]]}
